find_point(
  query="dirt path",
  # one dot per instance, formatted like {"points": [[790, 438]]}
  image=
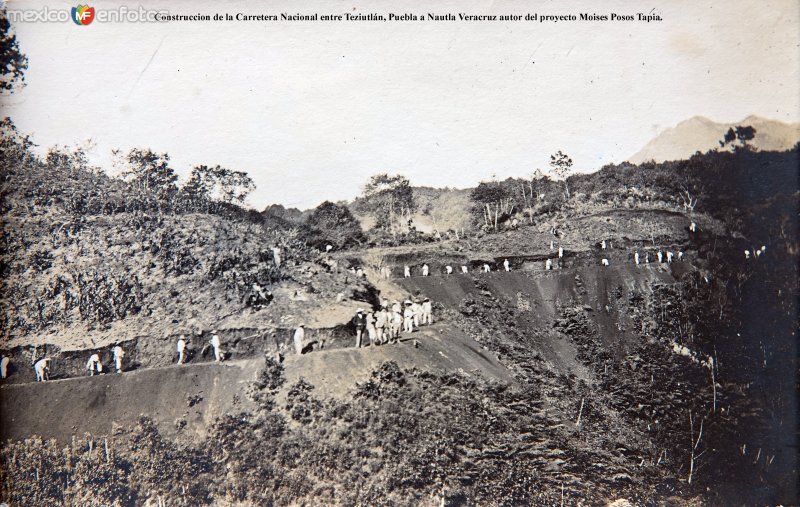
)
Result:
{"points": [[181, 399], [436, 348]]}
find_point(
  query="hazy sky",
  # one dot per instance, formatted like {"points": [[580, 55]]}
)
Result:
{"points": [[311, 109]]}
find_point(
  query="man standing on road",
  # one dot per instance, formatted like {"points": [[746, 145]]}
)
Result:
{"points": [[118, 354], [416, 308], [380, 325], [406, 271], [425, 270], [371, 328], [4, 367], [449, 269], [408, 318], [360, 323], [507, 265], [42, 369], [486, 268], [299, 337], [636, 258], [94, 365], [427, 312], [464, 270], [397, 323], [215, 343], [181, 349]]}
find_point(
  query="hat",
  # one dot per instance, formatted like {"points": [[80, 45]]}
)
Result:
{"points": [[408, 302], [301, 325], [427, 299], [360, 310]]}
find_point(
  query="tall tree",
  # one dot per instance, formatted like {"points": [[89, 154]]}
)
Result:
{"points": [[13, 63], [333, 224], [390, 199], [493, 200], [150, 174], [218, 183], [561, 168]]}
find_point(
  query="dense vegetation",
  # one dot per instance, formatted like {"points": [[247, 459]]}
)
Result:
{"points": [[83, 250]]}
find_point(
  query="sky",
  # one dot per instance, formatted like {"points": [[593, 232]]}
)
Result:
{"points": [[310, 110]]}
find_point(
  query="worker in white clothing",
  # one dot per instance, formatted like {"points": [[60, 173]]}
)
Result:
{"points": [[425, 270], [604, 262], [449, 269], [486, 268], [42, 369], [94, 365], [371, 332], [669, 257], [328, 248], [299, 338], [603, 244], [181, 349], [276, 256], [380, 325], [118, 354], [408, 318], [636, 258], [507, 265], [660, 257], [560, 252], [427, 311], [214, 341], [406, 272], [416, 308], [4, 367], [464, 270], [548, 265]]}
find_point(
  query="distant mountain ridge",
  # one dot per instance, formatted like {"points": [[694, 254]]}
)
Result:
{"points": [[701, 134]]}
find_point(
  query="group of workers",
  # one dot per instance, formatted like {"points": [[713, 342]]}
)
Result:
{"points": [[448, 269], [382, 326], [94, 365], [385, 325]]}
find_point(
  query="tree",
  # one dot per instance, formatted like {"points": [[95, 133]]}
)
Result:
{"points": [[333, 224], [218, 184], [493, 199], [561, 167], [390, 199], [150, 174], [738, 138], [12, 62]]}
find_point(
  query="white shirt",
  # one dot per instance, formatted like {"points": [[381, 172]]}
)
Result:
{"points": [[181, 345]]}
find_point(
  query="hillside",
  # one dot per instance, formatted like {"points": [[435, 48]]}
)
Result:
{"points": [[586, 384], [701, 134]]}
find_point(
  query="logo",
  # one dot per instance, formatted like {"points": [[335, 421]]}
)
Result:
{"points": [[82, 14]]}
